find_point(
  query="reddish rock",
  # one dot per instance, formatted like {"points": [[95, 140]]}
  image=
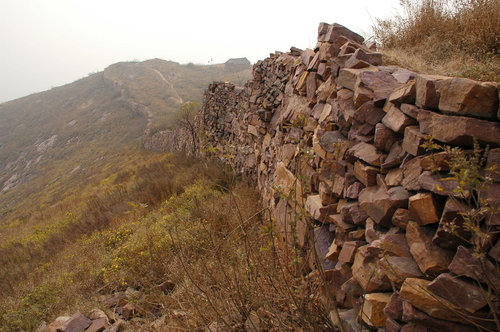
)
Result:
{"points": [[353, 213], [394, 308], [348, 48], [411, 327], [366, 174], [351, 286], [372, 311], [349, 250], [382, 83], [395, 157], [287, 152], [436, 162], [426, 93], [495, 251], [313, 63], [353, 190], [362, 95], [403, 94], [396, 120], [369, 113], [55, 325], [331, 33], [318, 109], [435, 183], [491, 194], [397, 269], [450, 232], [311, 88], [412, 170], [395, 245], [367, 273], [353, 62], [325, 194], [362, 131], [459, 292], [413, 140], [327, 89], [430, 258], [307, 56], [301, 83], [346, 104], [392, 326], [338, 186], [348, 319], [98, 325], [366, 152], [414, 290], [323, 238], [421, 321], [464, 96], [380, 204], [384, 137], [493, 164], [286, 182], [76, 323], [333, 252], [403, 75], [340, 223], [372, 58], [333, 142], [394, 177], [317, 210], [410, 110], [357, 235], [341, 273], [349, 76], [326, 52], [400, 218], [466, 264], [423, 208], [284, 216], [458, 129], [372, 231], [128, 311]]}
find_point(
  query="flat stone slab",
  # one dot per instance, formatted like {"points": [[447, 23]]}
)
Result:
{"points": [[458, 129]]}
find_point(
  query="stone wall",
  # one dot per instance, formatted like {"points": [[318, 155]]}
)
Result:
{"points": [[334, 133]]}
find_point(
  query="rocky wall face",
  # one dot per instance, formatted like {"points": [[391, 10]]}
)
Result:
{"points": [[334, 133]]}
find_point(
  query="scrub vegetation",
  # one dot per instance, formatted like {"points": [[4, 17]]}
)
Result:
{"points": [[448, 37]]}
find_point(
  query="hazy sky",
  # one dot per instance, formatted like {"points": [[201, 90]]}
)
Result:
{"points": [[47, 43]]}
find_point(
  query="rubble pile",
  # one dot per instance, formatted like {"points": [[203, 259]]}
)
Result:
{"points": [[334, 133]]}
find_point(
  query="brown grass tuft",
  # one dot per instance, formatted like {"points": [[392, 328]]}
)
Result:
{"points": [[451, 37]]}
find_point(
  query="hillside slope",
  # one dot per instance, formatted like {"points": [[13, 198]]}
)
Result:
{"points": [[72, 165], [68, 134]]}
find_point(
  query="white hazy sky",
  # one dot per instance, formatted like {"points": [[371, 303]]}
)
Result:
{"points": [[47, 43]]}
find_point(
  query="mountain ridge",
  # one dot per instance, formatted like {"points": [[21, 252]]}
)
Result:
{"points": [[96, 118]]}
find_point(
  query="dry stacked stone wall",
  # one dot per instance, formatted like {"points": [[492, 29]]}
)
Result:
{"points": [[334, 133]]}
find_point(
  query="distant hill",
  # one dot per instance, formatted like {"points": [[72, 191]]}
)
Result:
{"points": [[71, 134]]}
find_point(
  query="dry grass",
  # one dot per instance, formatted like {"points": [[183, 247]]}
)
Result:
{"points": [[450, 37], [201, 229]]}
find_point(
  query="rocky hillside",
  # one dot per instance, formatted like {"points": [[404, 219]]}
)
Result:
{"points": [[385, 175], [62, 136]]}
